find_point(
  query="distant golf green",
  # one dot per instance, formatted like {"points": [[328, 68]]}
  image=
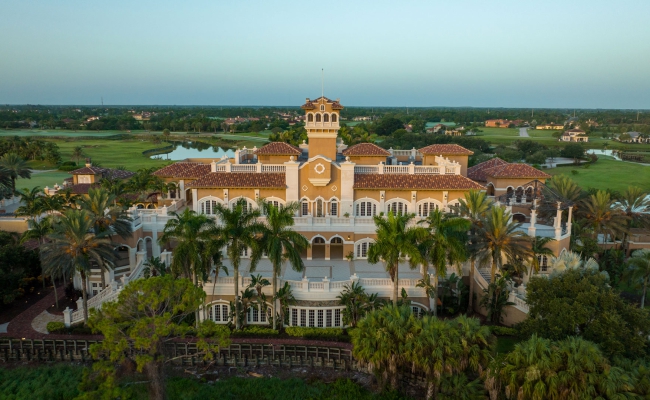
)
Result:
{"points": [[42, 179], [607, 173]]}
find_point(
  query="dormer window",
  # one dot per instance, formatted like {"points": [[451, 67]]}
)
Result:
{"points": [[322, 107]]}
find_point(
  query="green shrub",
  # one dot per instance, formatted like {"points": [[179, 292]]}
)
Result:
{"points": [[210, 329], [313, 333], [55, 327], [67, 168], [65, 163], [255, 331], [503, 331]]}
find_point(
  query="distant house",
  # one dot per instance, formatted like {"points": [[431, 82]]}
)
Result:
{"points": [[91, 119], [440, 128], [453, 132], [574, 135], [408, 128], [362, 119], [497, 123], [551, 126], [633, 137]]}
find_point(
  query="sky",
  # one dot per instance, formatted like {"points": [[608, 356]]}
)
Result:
{"points": [[498, 53]]}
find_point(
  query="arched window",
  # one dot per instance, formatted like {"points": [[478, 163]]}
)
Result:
{"points": [[425, 209], [318, 240], [397, 208], [334, 208], [248, 207], [322, 107], [208, 207], [219, 313], [317, 117], [336, 240], [529, 194], [326, 118], [366, 209], [333, 117], [304, 207], [310, 117], [258, 313], [490, 189], [172, 191], [319, 208], [519, 193]]}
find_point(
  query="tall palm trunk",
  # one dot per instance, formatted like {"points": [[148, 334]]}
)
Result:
{"points": [[275, 300], [84, 295], [56, 296], [435, 295], [395, 284], [470, 306], [236, 277], [493, 271], [645, 288]]}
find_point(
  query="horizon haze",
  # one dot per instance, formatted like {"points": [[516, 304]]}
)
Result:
{"points": [[504, 54]]}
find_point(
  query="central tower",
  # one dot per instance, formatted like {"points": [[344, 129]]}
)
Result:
{"points": [[322, 117]]}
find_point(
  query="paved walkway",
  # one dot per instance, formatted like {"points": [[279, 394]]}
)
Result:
{"points": [[39, 324], [523, 132], [21, 326]]}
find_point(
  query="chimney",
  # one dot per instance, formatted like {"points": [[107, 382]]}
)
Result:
{"points": [[213, 166], [88, 162]]}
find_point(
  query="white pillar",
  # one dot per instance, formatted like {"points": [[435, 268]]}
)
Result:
{"points": [[533, 221]]}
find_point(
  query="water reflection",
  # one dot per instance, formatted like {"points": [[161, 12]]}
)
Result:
{"points": [[188, 149]]}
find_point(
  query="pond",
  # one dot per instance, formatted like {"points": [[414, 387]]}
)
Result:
{"points": [[183, 150], [611, 153]]}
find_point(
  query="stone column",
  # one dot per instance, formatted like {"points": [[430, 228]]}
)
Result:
{"points": [[67, 317], [327, 251], [309, 253], [558, 221], [533, 220]]}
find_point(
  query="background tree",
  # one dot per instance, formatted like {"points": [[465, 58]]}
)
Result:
{"points": [[599, 211], [166, 133], [77, 153], [394, 241], [148, 314], [639, 270], [581, 302], [573, 150], [635, 204]]}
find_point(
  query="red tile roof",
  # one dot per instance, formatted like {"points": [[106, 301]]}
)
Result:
{"points": [[279, 148], [241, 180], [184, 170], [477, 172], [411, 182], [445, 149], [515, 170], [81, 188], [365, 149], [104, 172], [311, 104]]}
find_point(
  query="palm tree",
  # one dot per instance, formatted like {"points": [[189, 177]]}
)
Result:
{"points": [[571, 260], [474, 207], [77, 153], [434, 350], [31, 200], [356, 302], [189, 231], [106, 218], [538, 250], [16, 167], [430, 288], [49, 204], [238, 228], [5, 179], [498, 237], [565, 187], [154, 266], [394, 241], [284, 296], [635, 204], [444, 244], [495, 298], [603, 217], [639, 270], [74, 246], [39, 230], [280, 242], [380, 340]]}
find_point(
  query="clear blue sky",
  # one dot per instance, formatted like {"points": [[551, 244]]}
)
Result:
{"points": [[523, 53]]}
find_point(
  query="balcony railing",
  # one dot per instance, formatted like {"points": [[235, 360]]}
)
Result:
{"points": [[410, 169]]}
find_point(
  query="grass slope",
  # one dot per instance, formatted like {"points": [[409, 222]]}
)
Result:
{"points": [[42, 179], [608, 173]]}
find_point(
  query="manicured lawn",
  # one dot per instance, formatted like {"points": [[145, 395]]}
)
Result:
{"points": [[42, 179], [114, 153], [541, 133], [607, 173], [60, 132], [497, 132]]}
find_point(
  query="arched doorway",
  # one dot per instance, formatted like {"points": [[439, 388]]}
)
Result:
{"points": [[518, 217], [336, 248], [318, 248], [490, 189]]}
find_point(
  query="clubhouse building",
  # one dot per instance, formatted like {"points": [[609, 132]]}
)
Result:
{"points": [[339, 190]]}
